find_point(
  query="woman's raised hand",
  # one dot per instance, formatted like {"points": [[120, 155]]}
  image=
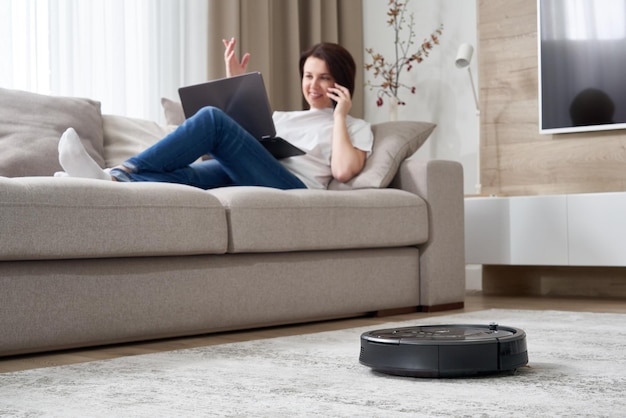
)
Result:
{"points": [[233, 65]]}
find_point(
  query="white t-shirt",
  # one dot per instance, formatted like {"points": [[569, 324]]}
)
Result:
{"points": [[312, 132]]}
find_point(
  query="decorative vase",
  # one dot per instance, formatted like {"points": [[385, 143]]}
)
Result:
{"points": [[393, 109]]}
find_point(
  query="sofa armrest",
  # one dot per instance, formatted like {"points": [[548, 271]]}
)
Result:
{"points": [[442, 257]]}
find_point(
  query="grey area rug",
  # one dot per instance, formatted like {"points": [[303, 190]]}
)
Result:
{"points": [[577, 367]]}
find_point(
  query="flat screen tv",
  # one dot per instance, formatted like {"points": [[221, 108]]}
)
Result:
{"points": [[582, 65]]}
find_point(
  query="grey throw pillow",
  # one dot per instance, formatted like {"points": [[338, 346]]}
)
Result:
{"points": [[126, 137], [393, 143], [174, 114], [31, 125]]}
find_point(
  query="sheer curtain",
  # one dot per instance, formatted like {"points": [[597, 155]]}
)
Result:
{"points": [[275, 32], [130, 53], [126, 54]]}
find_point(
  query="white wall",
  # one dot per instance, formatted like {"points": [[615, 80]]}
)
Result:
{"points": [[444, 93]]}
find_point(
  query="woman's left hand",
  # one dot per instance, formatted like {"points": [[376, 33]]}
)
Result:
{"points": [[346, 160], [341, 95]]}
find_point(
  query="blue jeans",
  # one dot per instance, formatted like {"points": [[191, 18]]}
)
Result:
{"points": [[238, 158]]}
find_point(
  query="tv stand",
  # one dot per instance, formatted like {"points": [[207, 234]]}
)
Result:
{"points": [[559, 230], [576, 240]]}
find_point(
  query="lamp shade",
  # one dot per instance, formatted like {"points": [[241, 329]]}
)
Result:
{"points": [[464, 55]]}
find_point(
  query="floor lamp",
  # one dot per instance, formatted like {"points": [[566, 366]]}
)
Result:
{"points": [[463, 59]]}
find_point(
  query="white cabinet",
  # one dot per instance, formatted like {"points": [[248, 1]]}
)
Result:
{"points": [[559, 230], [597, 229], [538, 230], [517, 230], [487, 236]]}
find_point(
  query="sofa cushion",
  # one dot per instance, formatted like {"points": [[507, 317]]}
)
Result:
{"points": [[56, 218], [126, 137], [31, 125], [271, 220], [393, 143]]}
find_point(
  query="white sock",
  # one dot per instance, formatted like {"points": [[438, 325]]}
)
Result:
{"points": [[76, 161]]}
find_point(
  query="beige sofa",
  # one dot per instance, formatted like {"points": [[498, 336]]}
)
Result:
{"points": [[88, 262]]}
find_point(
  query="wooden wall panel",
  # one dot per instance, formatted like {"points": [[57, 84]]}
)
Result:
{"points": [[515, 158]]}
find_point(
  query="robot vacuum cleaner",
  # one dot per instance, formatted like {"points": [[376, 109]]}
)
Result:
{"points": [[444, 350]]}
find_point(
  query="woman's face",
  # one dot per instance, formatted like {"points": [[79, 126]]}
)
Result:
{"points": [[316, 79]]}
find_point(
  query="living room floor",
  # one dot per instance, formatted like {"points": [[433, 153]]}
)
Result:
{"points": [[473, 302]]}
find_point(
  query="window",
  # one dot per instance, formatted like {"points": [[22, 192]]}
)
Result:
{"points": [[125, 53]]}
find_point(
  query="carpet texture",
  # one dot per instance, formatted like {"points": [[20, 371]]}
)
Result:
{"points": [[577, 367]]}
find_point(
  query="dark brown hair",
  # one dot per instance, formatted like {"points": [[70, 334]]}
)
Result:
{"points": [[339, 61]]}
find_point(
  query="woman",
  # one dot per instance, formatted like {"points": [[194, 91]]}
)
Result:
{"points": [[336, 144]]}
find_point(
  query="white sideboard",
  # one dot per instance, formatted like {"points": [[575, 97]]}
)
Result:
{"points": [[555, 230]]}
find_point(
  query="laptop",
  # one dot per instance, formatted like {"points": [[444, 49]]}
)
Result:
{"points": [[244, 99]]}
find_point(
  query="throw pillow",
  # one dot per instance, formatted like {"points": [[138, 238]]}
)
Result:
{"points": [[393, 143], [174, 114], [31, 125], [126, 137]]}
